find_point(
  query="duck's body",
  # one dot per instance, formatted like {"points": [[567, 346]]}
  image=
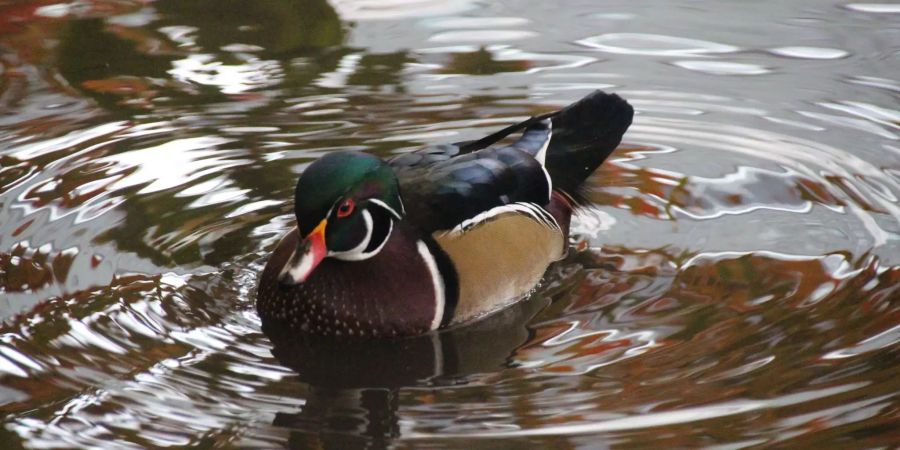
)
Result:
{"points": [[437, 237], [412, 286]]}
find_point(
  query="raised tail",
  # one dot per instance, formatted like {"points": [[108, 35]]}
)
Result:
{"points": [[583, 135]]}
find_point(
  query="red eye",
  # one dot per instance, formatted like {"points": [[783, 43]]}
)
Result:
{"points": [[346, 208]]}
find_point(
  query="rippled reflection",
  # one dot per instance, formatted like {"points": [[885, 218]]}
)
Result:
{"points": [[733, 285]]}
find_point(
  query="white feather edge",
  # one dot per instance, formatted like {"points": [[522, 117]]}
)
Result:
{"points": [[437, 281], [530, 209], [541, 154], [541, 157]]}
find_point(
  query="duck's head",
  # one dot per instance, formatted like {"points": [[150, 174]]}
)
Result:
{"points": [[346, 204]]}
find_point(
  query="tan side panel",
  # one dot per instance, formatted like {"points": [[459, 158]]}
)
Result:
{"points": [[499, 261]]}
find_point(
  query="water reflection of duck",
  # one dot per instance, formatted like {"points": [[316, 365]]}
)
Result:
{"points": [[436, 237], [354, 385]]}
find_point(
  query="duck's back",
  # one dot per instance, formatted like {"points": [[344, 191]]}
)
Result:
{"points": [[501, 214], [442, 236]]}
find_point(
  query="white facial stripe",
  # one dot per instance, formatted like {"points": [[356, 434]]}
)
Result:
{"points": [[383, 243], [437, 281], [530, 209], [366, 255], [357, 253], [387, 207]]}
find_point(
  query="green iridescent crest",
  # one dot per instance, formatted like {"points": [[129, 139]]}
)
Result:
{"points": [[339, 176]]}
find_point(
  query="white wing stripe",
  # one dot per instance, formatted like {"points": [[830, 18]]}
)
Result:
{"points": [[541, 157], [541, 154]]}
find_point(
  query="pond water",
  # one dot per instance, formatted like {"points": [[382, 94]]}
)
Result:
{"points": [[737, 283]]}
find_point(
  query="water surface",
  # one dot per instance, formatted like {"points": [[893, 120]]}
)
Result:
{"points": [[735, 284]]}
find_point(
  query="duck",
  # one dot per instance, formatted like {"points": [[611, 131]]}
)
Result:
{"points": [[438, 237]]}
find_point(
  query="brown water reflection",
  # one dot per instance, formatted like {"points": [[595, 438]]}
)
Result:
{"points": [[735, 284]]}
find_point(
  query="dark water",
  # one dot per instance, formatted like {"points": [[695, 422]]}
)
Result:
{"points": [[737, 284]]}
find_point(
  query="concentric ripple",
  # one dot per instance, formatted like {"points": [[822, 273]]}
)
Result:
{"points": [[733, 283]]}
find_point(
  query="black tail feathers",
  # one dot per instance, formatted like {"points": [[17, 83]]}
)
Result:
{"points": [[585, 133]]}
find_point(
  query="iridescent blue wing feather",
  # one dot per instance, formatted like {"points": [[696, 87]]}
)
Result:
{"points": [[444, 185]]}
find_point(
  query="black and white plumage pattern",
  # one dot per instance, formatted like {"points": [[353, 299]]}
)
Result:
{"points": [[449, 184], [536, 212], [446, 188], [470, 227]]}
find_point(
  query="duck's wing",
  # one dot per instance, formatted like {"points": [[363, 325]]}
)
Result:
{"points": [[443, 187], [446, 185]]}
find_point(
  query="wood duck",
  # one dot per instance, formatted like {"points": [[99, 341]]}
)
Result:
{"points": [[437, 237]]}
